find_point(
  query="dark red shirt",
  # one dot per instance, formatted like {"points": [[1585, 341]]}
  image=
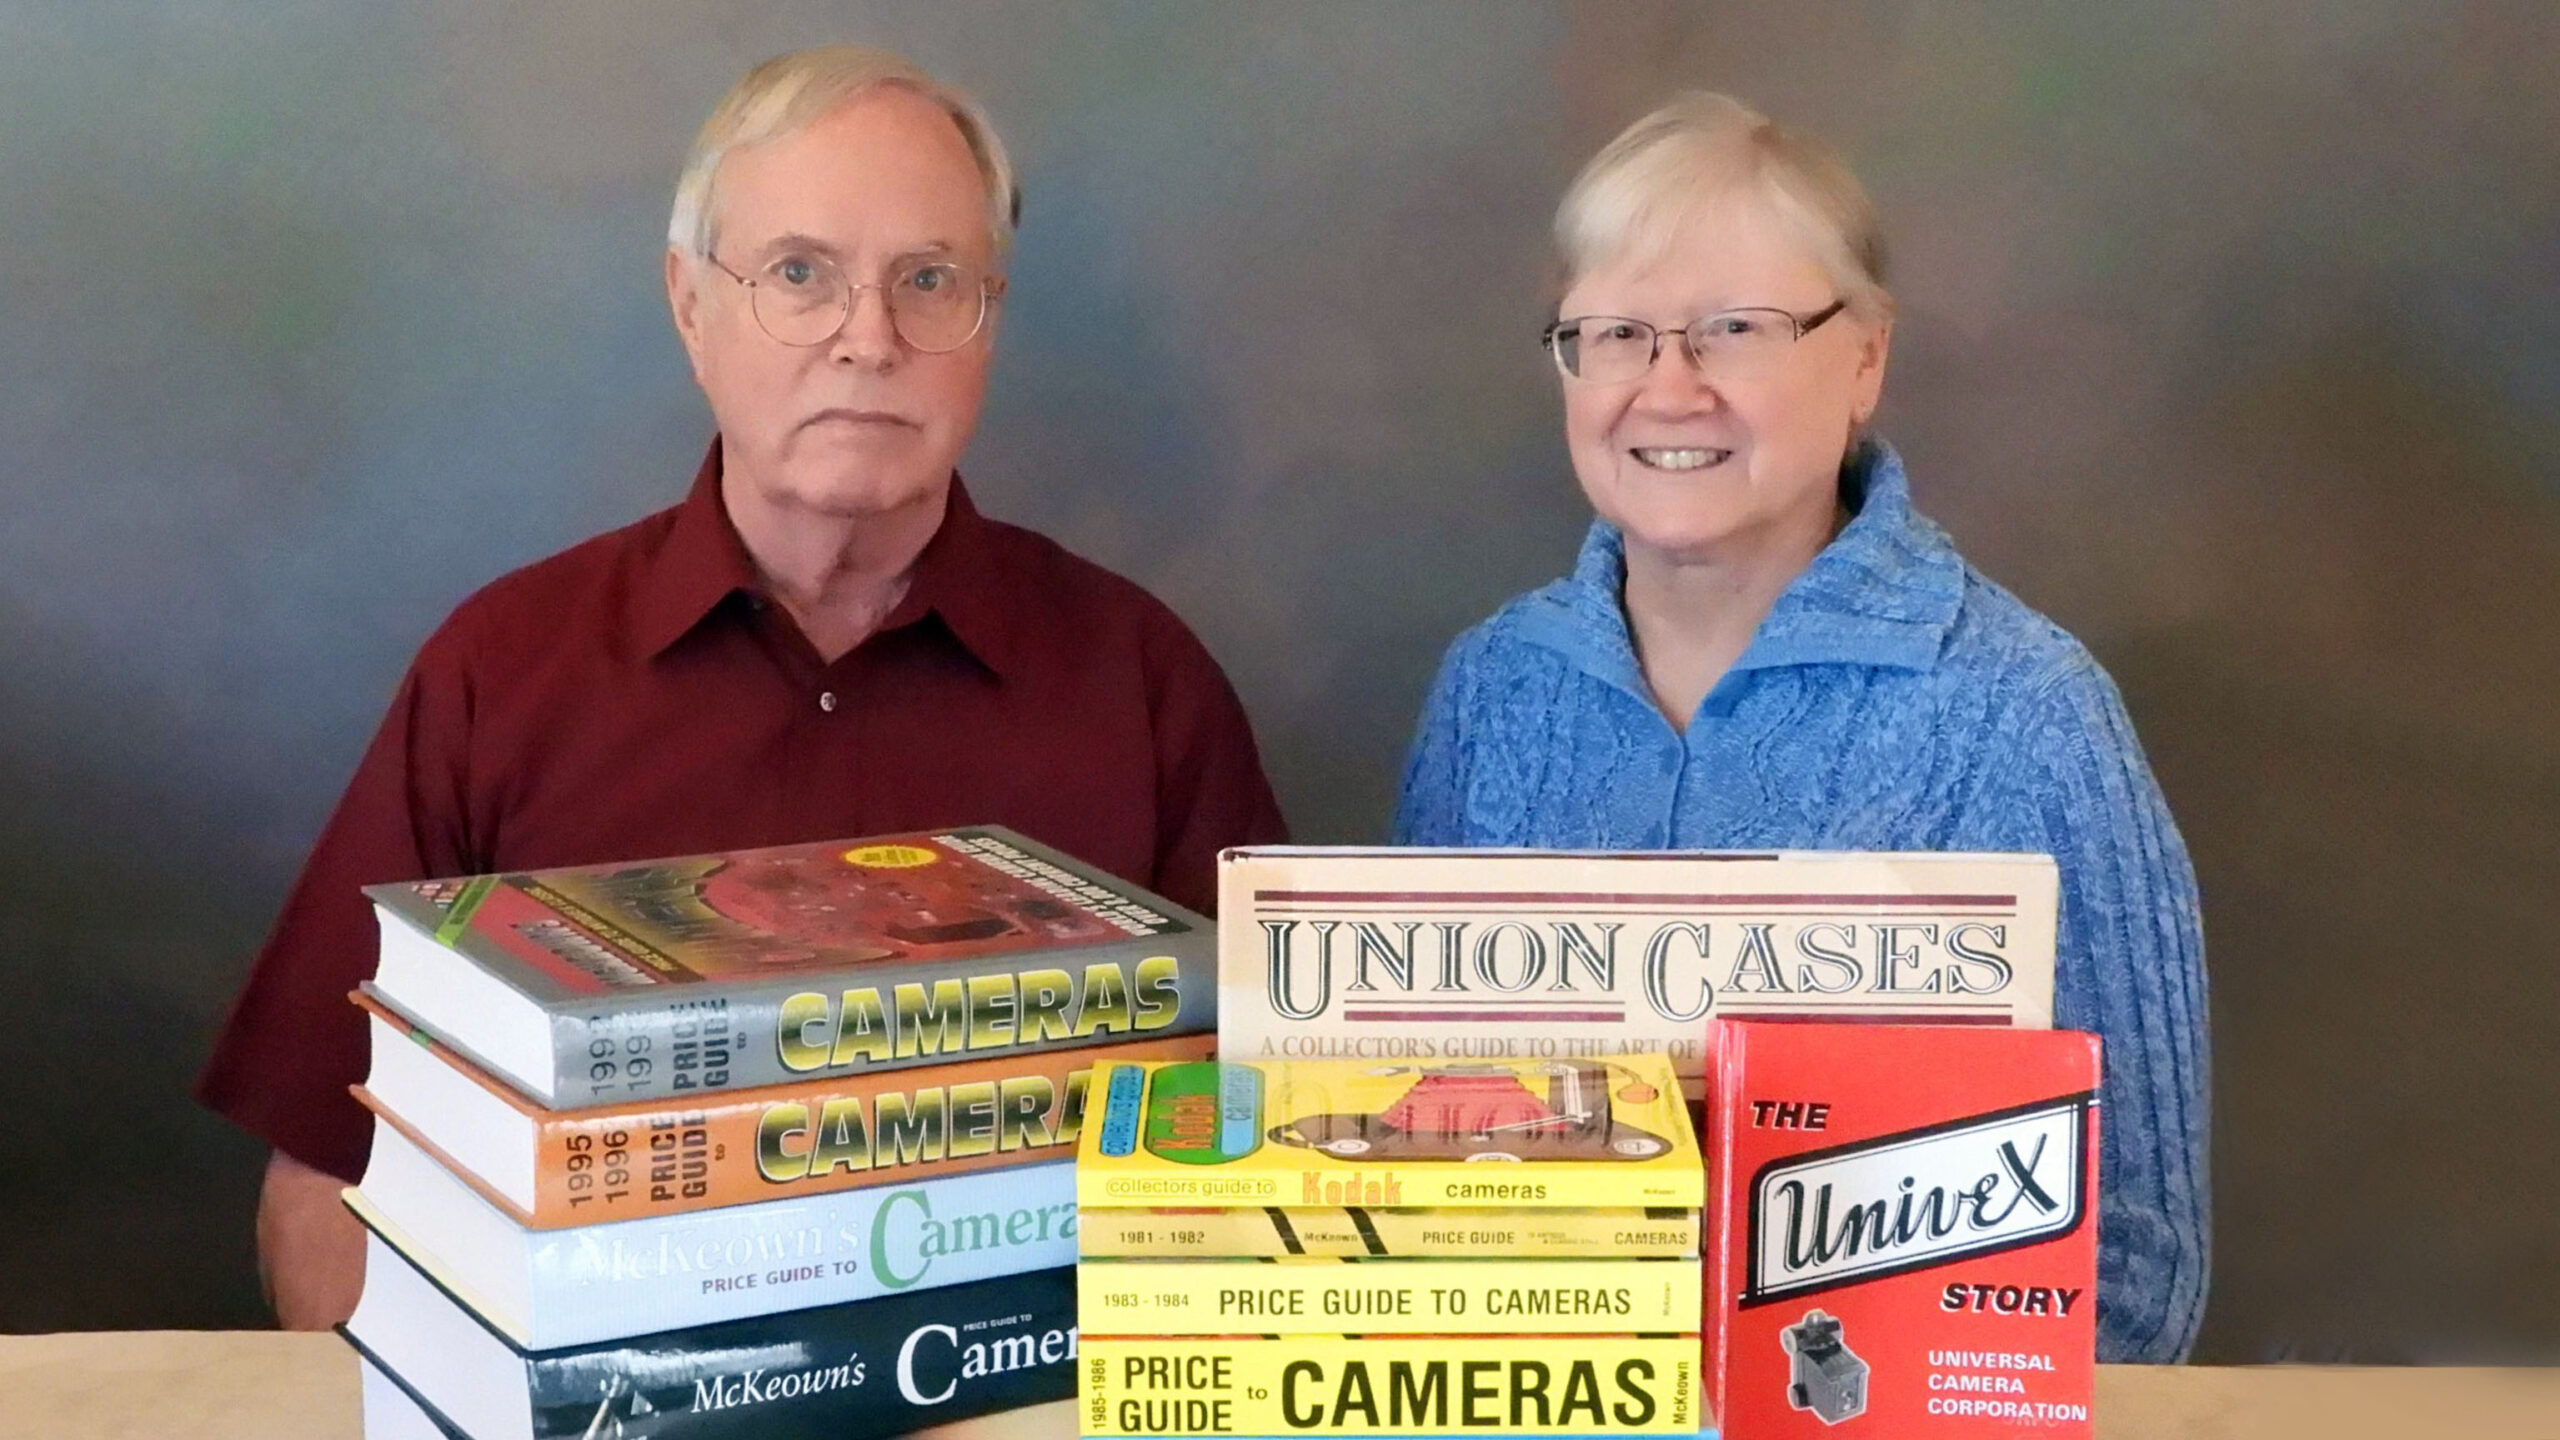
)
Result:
{"points": [[636, 696]]}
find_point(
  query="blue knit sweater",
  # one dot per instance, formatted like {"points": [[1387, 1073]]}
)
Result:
{"points": [[1893, 700]]}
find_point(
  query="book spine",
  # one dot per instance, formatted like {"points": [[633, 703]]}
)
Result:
{"points": [[632, 1161], [1402, 1385], [1725, 1045], [684, 1040], [1388, 1297], [638, 1276], [1662, 1234], [1570, 1186], [878, 1367]]}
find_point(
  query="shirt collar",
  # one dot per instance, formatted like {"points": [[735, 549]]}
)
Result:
{"points": [[1882, 593], [701, 563], [960, 580]]}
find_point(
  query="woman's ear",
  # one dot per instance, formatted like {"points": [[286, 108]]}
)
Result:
{"points": [[1873, 350]]}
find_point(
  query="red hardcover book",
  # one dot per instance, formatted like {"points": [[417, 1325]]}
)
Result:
{"points": [[1903, 1230]]}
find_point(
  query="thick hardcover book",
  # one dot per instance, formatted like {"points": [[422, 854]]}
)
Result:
{"points": [[392, 1411], [1399, 1385], [552, 1168], [1663, 1233], [546, 1288], [1905, 1230], [1386, 1297], [674, 977], [1416, 955], [1568, 1133], [869, 1368]]}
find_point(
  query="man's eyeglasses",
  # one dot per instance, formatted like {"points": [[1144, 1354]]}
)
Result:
{"points": [[1728, 345], [936, 306]]}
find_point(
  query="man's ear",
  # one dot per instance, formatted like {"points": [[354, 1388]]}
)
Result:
{"points": [[684, 301], [995, 296]]}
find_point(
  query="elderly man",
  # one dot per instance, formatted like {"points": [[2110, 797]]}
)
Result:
{"points": [[824, 638]]}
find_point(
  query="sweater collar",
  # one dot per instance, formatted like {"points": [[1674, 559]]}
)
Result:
{"points": [[1883, 593]]}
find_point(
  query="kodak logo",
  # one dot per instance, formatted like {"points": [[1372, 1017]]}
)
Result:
{"points": [[1355, 1189]]}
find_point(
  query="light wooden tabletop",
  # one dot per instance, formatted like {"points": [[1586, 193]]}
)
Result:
{"points": [[199, 1385]]}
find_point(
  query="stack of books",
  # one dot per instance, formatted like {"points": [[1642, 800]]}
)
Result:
{"points": [[1343, 1248], [1425, 957], [771, 1143]]}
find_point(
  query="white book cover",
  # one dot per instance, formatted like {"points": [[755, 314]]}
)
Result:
{"points": [[548, 1288], [1408, 954]]}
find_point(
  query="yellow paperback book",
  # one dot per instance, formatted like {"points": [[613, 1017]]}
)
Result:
{"points": [[1663, 1233], [1493, 1134], [1401, 1385], [1387, 1297]]}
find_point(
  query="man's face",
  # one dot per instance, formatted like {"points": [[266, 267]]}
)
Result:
{"points": [[863, 422]]}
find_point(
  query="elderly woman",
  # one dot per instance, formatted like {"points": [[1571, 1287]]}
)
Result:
{"points": [[1763, 645]]}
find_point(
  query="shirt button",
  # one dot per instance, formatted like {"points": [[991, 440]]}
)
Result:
{"points": [[827, 701]]}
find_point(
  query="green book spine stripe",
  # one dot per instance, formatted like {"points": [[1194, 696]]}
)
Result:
{"points": [[458, 919]]}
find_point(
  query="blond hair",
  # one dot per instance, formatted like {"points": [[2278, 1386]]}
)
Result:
{"points": [[789, 93], [1703, 148]]}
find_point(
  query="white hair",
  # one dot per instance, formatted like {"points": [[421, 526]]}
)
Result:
{"points": [[789, 93], [1702, 149]]}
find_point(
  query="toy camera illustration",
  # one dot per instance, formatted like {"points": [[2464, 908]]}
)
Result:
{"points": [[1541, 1110]]}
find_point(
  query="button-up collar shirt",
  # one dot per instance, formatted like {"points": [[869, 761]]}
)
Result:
{"points": [[639, 696]]}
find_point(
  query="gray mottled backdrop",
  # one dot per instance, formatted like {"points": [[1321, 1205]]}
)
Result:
{"points": [[2229, 340]]}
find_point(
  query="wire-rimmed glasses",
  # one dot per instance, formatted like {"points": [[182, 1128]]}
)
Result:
{"points": [[1727, 345], [936, 306]]}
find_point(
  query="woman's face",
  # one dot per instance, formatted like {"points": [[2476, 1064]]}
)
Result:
{"points": [[1717, 467]]}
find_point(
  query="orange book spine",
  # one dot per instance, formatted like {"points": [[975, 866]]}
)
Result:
{"points": [[633, 1161]]}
